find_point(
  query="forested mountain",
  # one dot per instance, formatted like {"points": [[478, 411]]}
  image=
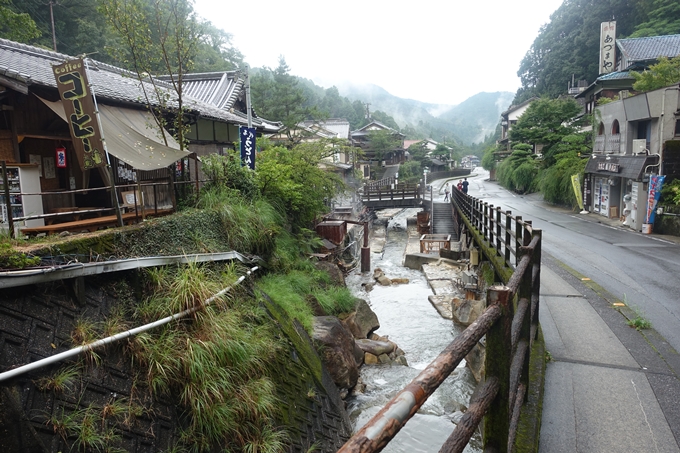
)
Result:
{"points": [[569, 44], [467, 123]]}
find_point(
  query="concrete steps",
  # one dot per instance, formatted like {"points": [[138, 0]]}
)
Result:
{"points": [[442, 218]]}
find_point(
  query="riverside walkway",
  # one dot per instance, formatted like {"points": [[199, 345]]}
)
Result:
{"points": [[608, 387]]}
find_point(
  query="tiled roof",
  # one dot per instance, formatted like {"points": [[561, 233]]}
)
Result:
{"points": [[220, 89], [649, 48], [618, 75], [33, 66]]}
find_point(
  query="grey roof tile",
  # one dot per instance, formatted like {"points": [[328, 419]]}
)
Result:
{"points": [[649, 48]]}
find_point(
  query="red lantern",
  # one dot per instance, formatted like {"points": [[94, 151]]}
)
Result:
{"points": [[61, 157]]}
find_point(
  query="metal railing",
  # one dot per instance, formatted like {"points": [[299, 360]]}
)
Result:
{"points": [[510, 324]]}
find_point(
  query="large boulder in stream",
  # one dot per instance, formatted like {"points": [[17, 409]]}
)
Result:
{"points": [[363, 321], [336, 348], [376, 347]]}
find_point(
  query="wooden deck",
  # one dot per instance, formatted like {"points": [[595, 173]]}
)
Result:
{"points": [[78, 226]]}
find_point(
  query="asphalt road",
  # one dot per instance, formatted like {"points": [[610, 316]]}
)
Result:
{"points": [[641, 270]]}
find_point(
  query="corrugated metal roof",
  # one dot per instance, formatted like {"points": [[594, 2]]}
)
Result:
{"points": [[649, 48], [32, 65]]}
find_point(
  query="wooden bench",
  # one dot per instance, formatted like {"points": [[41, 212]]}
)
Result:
{"points": [[94, 224]]}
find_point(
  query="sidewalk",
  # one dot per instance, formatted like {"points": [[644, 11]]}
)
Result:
{"points": [[606, 388]]}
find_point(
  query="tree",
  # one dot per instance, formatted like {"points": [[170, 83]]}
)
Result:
{"points": [[16, 26], [663, 19], [215, 51], [665, 73], [279, 98], [292, 179], [489, 158], [157, 36], [410, 171], [518, 172], [381, 142], [546, 122]]}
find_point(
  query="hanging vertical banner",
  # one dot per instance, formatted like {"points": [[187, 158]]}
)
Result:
{"points": [[576, 183], [61, 157], [247, 146], [655, 185], [607, 47], [586, 193], [80, 113]]}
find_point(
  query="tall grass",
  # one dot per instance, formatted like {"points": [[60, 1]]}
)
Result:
{"points": [[217, 365], [291, 290]]}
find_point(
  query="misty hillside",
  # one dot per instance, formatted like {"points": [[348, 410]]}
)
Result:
{"points": [[469, 122]]}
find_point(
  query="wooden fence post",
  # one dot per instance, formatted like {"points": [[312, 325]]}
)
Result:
{"points": [[508, 235], [497, 364], [499, 237], [536, 283], [519, 231]]}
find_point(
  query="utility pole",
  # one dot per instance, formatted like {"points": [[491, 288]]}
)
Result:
{"points": [[54, 34], [368, 113]]}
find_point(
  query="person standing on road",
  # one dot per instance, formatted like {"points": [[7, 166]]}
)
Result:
{"points": [[446, 192], [459, 186], [465, 185]]}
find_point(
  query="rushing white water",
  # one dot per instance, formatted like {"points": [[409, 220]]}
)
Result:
{"points": [[407, 318]]}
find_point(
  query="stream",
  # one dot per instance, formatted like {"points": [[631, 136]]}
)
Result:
{"points": [[408, 319]]}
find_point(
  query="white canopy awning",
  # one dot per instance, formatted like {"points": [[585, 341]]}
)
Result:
{"points": [[133, 137]]}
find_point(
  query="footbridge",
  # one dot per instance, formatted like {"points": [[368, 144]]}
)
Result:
{"points": [[387, 193]]}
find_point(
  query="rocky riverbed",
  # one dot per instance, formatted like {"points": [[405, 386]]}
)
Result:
{"points": [[404, 319]]}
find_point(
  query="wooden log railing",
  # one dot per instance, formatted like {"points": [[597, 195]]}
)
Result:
{"points": [[510, 324]]}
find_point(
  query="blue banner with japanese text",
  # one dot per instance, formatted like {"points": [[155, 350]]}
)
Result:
{"points": [[247, 135], [655, 186]]}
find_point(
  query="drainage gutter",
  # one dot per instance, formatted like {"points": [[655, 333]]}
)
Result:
{"points": [[25, 277]]}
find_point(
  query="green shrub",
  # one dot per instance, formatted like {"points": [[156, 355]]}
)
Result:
{"points": [[11, 259]]}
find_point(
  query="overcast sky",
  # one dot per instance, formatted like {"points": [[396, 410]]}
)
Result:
{"points": [[440, 52]]}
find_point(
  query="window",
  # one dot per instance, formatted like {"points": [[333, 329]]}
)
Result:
{"points": [[615, 127], [677, 128], [600, 129]]}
